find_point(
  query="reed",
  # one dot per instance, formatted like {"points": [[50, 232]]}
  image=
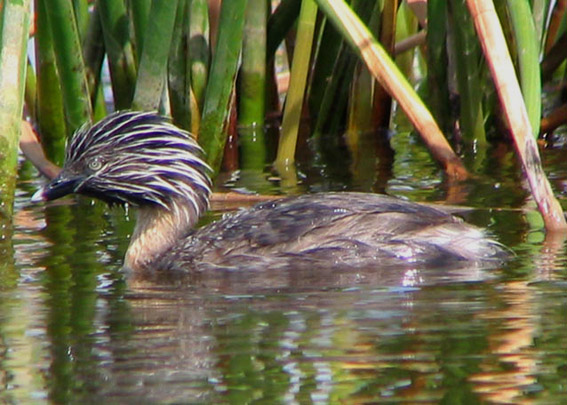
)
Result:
{"points": [[216, 60]]}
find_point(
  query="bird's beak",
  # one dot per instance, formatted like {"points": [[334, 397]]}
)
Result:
{"points": [[58, 187]]}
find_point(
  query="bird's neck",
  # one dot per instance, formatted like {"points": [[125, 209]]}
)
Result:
{"points": [[157, 230]]}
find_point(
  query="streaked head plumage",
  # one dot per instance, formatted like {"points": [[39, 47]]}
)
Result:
{"points": [[138, 158]]}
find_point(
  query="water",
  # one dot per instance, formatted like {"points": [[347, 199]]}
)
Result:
{"points": [[74, 328]]}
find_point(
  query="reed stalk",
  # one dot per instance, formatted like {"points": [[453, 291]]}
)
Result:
{"points": [[280, 23], [540, 11], [199, 57], [325, 71], [81, 8], [179, 98], [140, 12], [70, 63], [556, 25], [252, 86], [382, 103], [469, 62], [515, 113], [153, 61], [30, 90], [216, 107], [360, 117], [528, 51], [252, 77], [334, 99], [359, 110], [297, 84], [14, 30], [437, 63], [50, 112], [389, 76], [119, 50], [94, 54]]}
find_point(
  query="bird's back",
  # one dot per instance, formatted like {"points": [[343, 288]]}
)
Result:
{"points": [[332, 230]]}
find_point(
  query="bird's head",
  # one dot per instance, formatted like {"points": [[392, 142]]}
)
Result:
{"points": [[138, 158]]}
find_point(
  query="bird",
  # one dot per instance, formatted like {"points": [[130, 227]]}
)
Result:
{"points": [[142, 160]]}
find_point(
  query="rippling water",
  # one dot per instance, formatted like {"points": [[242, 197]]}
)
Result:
{"points": [[75, 328]]}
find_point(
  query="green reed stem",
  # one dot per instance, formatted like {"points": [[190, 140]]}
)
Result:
{"points": [[119, 50], [327, 58], [30, 90], [361, 98], [70, 63], [333, 100], [526, 39], [153, 61], [540, 12], [468, 58], [437, 63], [252, 77], [216, 108], [199, 59], [94, 54], [297, 84], [140, 11], [280, 23], [81, 8], [382, 104], [14, 29], [50, 111], [177, 70]]}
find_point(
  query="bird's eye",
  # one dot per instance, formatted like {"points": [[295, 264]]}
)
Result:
{"points": [[95, 164]]}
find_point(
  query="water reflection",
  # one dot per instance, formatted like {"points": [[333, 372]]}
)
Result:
{"points": [[75, 328], [366, 344]]}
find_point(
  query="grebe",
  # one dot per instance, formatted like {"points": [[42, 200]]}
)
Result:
{"points": [[141, 159]]}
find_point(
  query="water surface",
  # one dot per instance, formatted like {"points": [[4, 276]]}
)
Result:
{"points": [[74, 327]]}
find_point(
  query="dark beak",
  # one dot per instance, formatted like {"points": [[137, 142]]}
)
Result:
{"points": [[58, 187]]}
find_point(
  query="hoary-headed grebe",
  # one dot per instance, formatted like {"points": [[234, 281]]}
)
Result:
{"points": [[142, 159]]}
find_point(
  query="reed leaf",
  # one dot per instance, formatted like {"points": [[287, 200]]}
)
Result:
{"points": [[70, 63], [437, 63], [334, 100], [252, 86], [153, 61], [527, 44], [279, 24], [297, 84], [212, 134], [81, 8], [382, 104], [179, 99], [50, 112], [252, 77], [199, 55], [30, 91], [140, 12], [118, 47], [556, 25], [389, 76], [503, 73], [408, 60], [468, 60], [14, 29], [328, 57], [361, 100], [541, 10], [94, 54], [359, 112]]}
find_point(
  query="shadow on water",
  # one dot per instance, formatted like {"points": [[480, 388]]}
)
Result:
{"points": [[75, 328]]}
